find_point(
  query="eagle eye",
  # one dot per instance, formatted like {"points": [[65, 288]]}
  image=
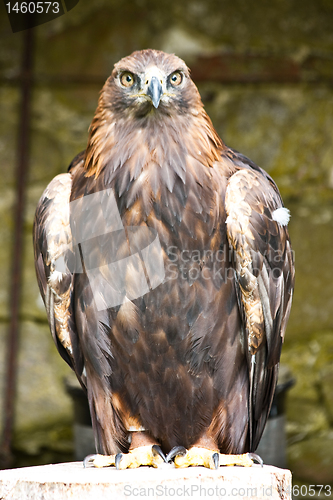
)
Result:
{"points": [[176, 78], [127, 79]]}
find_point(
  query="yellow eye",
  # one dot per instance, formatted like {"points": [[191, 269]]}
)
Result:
{"points": [[127, 79], [176, 78]]}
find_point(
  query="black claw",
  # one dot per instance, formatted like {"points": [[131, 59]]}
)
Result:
{"points": [[176, 450], [216, 459], [256, 458], [117, 461], [157, 451], [88, 459]]}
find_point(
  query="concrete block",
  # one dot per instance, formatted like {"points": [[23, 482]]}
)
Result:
{"points": [[71, 480]]}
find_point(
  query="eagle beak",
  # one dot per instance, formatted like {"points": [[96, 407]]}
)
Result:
{"points": [[155, 90]]}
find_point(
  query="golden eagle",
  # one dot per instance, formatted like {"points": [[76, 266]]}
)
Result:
{"points": [[165, 265]]}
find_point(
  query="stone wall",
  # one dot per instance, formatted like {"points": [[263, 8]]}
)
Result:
{"points": [[285, 125]]}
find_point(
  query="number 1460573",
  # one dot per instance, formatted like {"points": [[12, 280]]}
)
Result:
{"points": [[33, 7]]}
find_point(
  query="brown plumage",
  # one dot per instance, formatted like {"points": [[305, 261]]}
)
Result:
{"points": [[198, 354]]}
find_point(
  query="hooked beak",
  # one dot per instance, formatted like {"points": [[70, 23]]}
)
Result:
{"points": [[154, 91]]}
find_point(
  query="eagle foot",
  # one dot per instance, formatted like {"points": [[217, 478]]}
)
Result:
{"points": [[143, 455], [100, 460], [211, 459]]}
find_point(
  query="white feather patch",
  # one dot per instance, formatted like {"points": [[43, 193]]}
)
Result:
{"points": [[55, 277], [281, 215]]}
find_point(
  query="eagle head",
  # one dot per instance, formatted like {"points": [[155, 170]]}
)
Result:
{"points": [[149, 96], [151, 82]]}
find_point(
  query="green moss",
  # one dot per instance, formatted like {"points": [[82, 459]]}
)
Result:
{"points": [[41, 396], [308, 401], [311, 460], [55, 436], [285, 130]]}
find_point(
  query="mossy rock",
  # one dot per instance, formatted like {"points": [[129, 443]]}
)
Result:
{"points": [[325, 384], [41, 397], [311, 460]]}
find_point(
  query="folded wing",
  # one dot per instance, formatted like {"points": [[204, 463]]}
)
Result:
{"points": [[263, 263]]}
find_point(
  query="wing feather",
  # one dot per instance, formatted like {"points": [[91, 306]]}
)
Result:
{"points": [[52, 243], [265, 276]]}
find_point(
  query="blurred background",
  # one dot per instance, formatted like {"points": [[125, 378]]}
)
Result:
{"points": [[265, 73]]}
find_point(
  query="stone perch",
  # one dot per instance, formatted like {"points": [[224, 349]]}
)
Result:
{"points": [[72, 481]]}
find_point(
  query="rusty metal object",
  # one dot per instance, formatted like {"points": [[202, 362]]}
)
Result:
{"points": [[245, 68], [17, 252], [225, 68]]}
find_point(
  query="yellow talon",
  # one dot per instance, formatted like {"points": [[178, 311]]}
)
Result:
{"points": [[212, 459], [143, 455], [196, 456], [242, 460], [100, 460]]}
